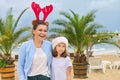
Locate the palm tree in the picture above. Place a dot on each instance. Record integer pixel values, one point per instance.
(103, 37)
(82, 33)
(78, 30)
(9, 36)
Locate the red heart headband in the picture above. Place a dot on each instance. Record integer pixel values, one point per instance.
(37, 9)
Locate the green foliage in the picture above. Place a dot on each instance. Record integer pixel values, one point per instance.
(10, 35)
(81, 32)
(77, 30)
(3, 63)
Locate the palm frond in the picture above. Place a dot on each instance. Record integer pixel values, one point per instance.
(9, 36)
(2, 29)
(60, 22)
(81, 32)
(18, 33)
(15, 25)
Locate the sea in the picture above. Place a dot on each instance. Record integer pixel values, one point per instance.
(102, 48)
(97, 49)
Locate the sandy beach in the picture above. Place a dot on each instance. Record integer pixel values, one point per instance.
(110, 74)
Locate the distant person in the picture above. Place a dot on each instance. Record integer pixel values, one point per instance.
(35, 56)
(61, 63)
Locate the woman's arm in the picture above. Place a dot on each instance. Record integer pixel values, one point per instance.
(21, 62)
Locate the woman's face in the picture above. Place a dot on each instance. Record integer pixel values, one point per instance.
(60, 48)
(40, 32)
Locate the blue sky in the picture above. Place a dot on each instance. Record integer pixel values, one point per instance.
(108, 11)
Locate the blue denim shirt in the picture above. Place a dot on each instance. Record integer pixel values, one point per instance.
(26, 54)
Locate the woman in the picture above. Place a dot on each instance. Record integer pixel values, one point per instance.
(35, 56)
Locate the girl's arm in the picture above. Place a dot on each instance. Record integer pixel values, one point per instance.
(69, 73)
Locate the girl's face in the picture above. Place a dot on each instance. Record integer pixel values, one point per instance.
(60, 48)
(40, 32)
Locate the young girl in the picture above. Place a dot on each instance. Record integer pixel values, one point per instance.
(61, 64)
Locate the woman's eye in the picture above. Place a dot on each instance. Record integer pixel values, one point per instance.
(42, 30)
(45, 30)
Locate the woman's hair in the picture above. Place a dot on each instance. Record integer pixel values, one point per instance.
(35, 23)
(55, 54)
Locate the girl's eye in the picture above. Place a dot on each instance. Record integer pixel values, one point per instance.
(63, 46)
(58, 45)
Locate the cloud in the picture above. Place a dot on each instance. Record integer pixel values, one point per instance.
(108, 9)
(20, 4)
(99, 4)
